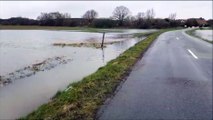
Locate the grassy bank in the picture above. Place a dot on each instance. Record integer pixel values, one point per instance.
(192, 33)
(82, 29)
(207, 28)
(82, 99)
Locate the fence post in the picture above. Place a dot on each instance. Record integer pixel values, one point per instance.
(102, 44)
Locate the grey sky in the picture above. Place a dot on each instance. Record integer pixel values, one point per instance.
(31, 9)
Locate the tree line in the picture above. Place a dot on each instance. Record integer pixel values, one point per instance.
(121, 17)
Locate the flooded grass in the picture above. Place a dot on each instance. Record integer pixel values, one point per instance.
(98, 45)
(192, 33)
(93, 45)
(82, 99)
(30, 70)
(29, 47)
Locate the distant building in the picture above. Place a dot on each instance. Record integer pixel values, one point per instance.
(196, 22)
(201, 22)
(182, 22)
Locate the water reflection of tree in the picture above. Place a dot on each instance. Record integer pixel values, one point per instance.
(102, 49)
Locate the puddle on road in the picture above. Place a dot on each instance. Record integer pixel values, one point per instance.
(185, 82)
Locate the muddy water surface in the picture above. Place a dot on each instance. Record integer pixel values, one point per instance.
(21, 48)
(205, 34)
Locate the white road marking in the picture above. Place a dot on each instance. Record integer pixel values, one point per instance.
(177, 38)
(192, 54)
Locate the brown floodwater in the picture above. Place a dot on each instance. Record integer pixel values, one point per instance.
(21, 48)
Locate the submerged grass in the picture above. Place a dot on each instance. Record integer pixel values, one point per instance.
(192, 33)
(82, 99)
(93, 45)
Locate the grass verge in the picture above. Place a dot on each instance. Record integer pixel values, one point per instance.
(142, 34)
(207, 28)
(82, 99)
(82, 29)
(192, 33)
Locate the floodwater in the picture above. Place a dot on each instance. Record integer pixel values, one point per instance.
(21, 48)
(205, 34)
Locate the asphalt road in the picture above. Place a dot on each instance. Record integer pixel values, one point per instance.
(172, 81)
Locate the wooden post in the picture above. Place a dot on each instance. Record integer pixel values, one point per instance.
(102, 44)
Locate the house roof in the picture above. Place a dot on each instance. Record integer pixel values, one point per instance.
(201, 21)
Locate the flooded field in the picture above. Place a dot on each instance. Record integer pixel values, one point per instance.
(32, 69)
(205, 34)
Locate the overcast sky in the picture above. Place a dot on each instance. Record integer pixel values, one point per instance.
(31, 9)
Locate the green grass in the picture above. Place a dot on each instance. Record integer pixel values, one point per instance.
(82, 29)
(83, 98)
(207, 28)
(192, 33)
(142, 34)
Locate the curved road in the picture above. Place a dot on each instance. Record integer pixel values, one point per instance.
(172, 81)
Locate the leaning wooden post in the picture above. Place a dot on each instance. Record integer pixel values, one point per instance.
(102, 44)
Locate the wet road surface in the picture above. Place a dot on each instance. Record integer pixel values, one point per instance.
(172, 81)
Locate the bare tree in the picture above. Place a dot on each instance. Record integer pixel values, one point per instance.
(90, 15)
(53, 18)
(121, 13)
(43, 16)
(66, 15)
(140, 18)
(150, 14)
(140, 15)
(172, 16)
(53, 15)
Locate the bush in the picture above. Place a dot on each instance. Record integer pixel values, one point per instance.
(161, 23)
(103, 23)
